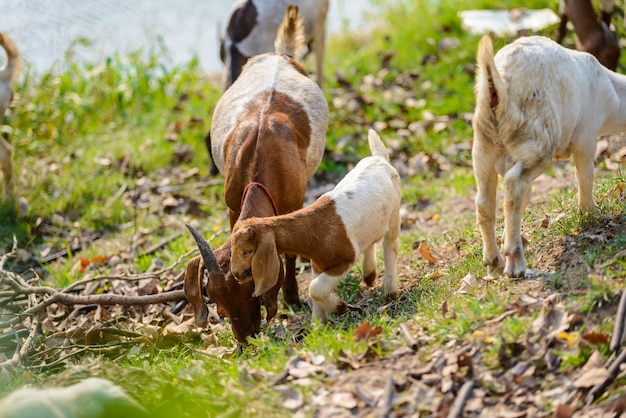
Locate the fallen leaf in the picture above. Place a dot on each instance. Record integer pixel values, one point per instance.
(563, 411)
(592, 377)
(425, 252)
(467, 284)
(292, 399)
(444, 308)
(596, 338)
(365, 331)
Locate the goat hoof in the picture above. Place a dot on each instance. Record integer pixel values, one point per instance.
(370, 279)
(342, 308)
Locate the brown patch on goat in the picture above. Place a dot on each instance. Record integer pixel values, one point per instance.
(252, 144)
(370, 278)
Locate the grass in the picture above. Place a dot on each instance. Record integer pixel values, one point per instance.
(85, 133)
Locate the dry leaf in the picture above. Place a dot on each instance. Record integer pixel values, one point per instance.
(444, 308)
(365, 332)
(592, 377)
(563, 411)
(425, 252)
(596, 338)
(467, 284)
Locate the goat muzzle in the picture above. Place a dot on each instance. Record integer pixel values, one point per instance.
(243, 277)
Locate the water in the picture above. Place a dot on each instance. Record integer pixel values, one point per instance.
(44, 29)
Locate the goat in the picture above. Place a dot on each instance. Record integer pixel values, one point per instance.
(7, 76)
(269, 134)
(233, 299)
(252, 27)
(594, 36)
(536, 101)
(251, 30)
(332, 232)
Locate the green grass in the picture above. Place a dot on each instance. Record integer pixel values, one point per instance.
(83, 132)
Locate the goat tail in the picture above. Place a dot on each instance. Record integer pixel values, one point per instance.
(14, 63)
(490, 88)
(290, 37)
(377, 147)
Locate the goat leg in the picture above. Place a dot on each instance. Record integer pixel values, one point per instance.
(583, 160)
(487, 182)
(290, 284)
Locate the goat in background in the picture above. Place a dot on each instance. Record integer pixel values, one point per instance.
(593, 34)
(536, 101)
(7, 75)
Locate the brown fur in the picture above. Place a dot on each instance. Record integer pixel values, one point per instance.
(593, 34)
(234, 300)
(312, 232)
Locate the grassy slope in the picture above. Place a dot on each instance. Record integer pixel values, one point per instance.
(85, 132)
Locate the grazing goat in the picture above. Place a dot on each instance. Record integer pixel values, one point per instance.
(594, 36)
(7, 75)
(536, 101)
(234, 300)
(252, 28)
(333, 232)
(269, 134)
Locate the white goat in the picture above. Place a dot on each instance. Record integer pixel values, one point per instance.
(333, 232)
(252, 28)
(7, 76)
(536, 101)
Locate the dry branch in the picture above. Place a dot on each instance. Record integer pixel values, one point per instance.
(620, 323)
(461, 399)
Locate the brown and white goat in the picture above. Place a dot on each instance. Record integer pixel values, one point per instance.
(252, 27)
(536, 101)
(269, 134)
(7, 76)
(332, 232)
(593, 35)
(209, 273)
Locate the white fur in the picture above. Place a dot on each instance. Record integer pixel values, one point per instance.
(368, 203)
(269, 18)
(552, 102)
(270, 72)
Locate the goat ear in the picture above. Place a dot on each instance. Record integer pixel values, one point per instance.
(265, 266)
(193, 290)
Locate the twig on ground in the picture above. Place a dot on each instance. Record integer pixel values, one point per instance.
(461, 399)
(620, 323)
(408, 338)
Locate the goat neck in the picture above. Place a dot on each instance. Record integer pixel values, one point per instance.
(314, 232)
(257, 201)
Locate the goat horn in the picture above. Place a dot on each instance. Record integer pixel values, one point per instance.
(210, 262)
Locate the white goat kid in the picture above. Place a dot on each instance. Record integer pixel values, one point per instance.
(332, 232)
(536, 101)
